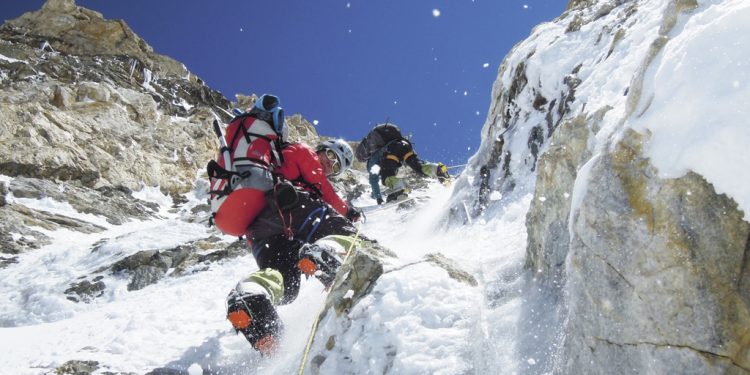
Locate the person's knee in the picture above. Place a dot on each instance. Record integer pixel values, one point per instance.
(267, 281)
(394, 183)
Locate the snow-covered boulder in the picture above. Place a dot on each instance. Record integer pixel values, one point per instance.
(626, 121)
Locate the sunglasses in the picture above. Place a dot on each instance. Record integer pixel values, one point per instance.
(334, 159)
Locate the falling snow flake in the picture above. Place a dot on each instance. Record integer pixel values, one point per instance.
(436, 13)
(315, 122)
(486, 65)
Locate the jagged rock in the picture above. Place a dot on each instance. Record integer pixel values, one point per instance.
(5, 261)
(661, 275)
(80, 31)
(117, 205)
(454, 271)
(3, 192)
(548, 229)
(93, 91)
(76, 367)
(99, 106)
(201, 208)
(144, 276)
(358, 275)
(244, 102)
(86, 291)
(166, 371)
(625, 271)
(354, 281)
(130, 263)
(300, 130)
(348, 185)
(17, 221)
(62, 97)
(233, 250)
(149, 266)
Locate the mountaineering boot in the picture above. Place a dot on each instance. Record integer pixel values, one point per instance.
(254, 316)
(319, 260)
(397, 188)
(396, 195)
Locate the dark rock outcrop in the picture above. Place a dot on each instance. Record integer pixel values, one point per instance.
(86, 291)
(147, 267)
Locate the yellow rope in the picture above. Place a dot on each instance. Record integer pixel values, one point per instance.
(314, 328)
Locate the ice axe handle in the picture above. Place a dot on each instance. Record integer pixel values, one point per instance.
(225, 152)
(217, 130)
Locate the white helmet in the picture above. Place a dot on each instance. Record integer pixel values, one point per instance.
(342, 150)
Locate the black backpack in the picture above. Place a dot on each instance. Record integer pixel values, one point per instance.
(378, 137)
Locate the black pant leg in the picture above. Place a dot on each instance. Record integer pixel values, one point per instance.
(281, 254)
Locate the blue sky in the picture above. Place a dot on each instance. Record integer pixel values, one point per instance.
(427, 66)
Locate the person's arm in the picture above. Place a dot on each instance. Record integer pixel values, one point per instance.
(415, 164)
(312, 171)
(406, 153)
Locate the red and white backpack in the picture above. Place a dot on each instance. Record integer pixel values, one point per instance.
(243, 171)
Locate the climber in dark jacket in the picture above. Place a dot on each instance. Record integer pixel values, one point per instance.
(385, 161)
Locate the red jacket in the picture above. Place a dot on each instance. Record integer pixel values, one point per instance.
(302, 167)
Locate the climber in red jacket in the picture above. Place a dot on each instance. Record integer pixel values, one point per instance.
(284, 236)
(310, 170)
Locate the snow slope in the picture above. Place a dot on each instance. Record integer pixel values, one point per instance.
(432, 323)
(428, 321)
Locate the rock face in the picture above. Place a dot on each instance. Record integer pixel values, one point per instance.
(90, 113)
(628, 272)
(342, 324)
(672, 253)
(87, 100)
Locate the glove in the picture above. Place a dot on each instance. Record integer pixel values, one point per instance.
(353, 213)
(442, 173)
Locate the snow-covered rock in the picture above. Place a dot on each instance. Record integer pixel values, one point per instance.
(623, 118)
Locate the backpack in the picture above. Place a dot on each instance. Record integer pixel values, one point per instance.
(243, 174)
(378, 137)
